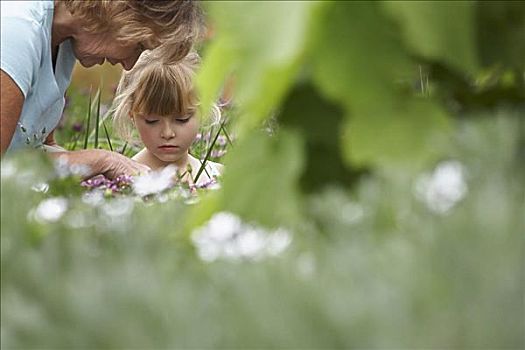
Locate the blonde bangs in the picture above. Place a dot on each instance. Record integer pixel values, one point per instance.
(164, 91)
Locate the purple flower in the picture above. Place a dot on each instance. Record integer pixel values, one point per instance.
(218, 153)
(77, 127)
(222, 140)
(117, 185)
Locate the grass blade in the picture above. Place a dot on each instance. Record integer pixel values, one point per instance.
(208, 154)
(107, 136)
(226, 134)
(88, 118)
(124, 148)
(97, 123)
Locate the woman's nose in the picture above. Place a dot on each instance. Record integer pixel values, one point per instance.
(129, 63)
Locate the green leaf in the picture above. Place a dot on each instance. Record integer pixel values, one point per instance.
(354, 63)
(409, 136)
(360, 68)
(260, 182)
(261, 178)
(439, 30)
(501, 33)
(265, 56)
(217, 63)
(320, 122)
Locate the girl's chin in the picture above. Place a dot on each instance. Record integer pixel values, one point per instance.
(168, 158)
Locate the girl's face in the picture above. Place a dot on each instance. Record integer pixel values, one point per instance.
(167, 137)
(91, 49)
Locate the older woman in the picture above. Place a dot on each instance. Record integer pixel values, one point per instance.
(42, 40)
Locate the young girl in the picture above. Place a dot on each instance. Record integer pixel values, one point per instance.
(159, 100)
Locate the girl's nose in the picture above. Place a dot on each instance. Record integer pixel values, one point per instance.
(168, 131)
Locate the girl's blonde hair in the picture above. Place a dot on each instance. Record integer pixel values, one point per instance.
(153, 87)
(173, 26)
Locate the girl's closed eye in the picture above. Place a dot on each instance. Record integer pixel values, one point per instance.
(151, 121)
(183, 120)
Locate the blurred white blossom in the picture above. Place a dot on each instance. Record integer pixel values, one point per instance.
(227, 236)
(77, 219)
(64, 169)
(50, 210)
(155, 181)
(352, 212)
(306, 265)
(93, 198)
(118, 207)
(40, 187)
(8, 168)
(443, 188)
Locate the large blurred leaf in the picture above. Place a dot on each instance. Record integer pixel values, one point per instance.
(263, 42)
(217, 63)
(260, 181)
(265, 170)
(410, 135)
(359, 67)
(440, 30)
(354, 63)
(321, 123)
(501, 32)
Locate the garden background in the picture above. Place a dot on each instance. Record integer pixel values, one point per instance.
(373, 194)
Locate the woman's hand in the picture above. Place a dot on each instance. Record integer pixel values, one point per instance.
(98, 161)
(113, 164)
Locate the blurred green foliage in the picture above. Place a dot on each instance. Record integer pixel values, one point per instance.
(396, 74)
(394, 158)
(369, 268)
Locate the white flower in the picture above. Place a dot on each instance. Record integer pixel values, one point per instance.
(8, 168)
(118, 207)
(93, 198)
(442, 189)
(352, 212)
(40, 187)
(50, 210)
(306, 265)
(155, 181)
(226, 236)
(64, 169)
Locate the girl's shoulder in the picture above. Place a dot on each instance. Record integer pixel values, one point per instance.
(213, 169)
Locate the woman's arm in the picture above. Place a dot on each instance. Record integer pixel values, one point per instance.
(98, 161)
(11, 103)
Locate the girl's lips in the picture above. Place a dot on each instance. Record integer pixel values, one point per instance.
(168, 148)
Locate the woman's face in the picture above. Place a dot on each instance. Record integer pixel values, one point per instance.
(91, 49)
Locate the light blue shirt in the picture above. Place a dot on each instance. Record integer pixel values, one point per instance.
(26, 57)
